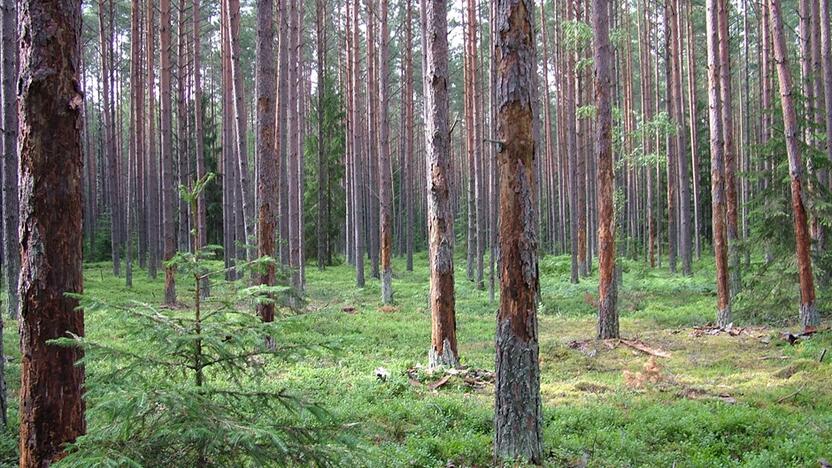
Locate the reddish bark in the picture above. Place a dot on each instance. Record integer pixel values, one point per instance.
(808, 311)
(51, 407)
(607, 295)
(717, 166)
(443, 351)
(518, 409)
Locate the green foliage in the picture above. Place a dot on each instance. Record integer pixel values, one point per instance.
(770, 293)
(577, 34)
(334, 141)
(191, 386)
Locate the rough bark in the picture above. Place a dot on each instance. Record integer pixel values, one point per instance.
(105, 32)
(321, 227)
(808, 312)
(684, 231)
(358, 155)
(518, 409)
(443, 350)
(166, 129)
(572, 150)
(240, 117)
(408, 134)
(715, 120)
(607, 294)
(11, 248)
(826, 60)
(152, 161)
(385, 169)
(265, 157)
(730, 150)
(281, 138)
(183, 176)
(51, 101)
(694, 149)
(201, 209)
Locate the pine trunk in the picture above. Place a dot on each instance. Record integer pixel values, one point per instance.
(808, 312)
(11, 244)
(443, 351)
(607, 294)
(723, 316)
(518, 409)
(51, 212)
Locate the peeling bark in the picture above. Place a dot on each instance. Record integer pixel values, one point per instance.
(265, 157)
(717, 166)
(443, 351)
(51, 239)
(518, 409)
(607, 294)
(808, 312)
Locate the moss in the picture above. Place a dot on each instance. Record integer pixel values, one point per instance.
(719, 402)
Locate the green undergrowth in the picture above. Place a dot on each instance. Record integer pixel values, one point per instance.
(717, 400)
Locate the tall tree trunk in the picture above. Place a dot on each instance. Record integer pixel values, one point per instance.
(694, 146)
(152, 161)
(715, 107)
(673, 150)
(182, 131)
(292, 155)
(358, 154)
(136, 132)
(51, 380)
(199, 136)
(321, 227)
(808, 312)
(240, 117)
(730, 150)
(518, 410)
(11, 244)
(166, 128)
(410, 169)
(572, 149)
(607, 294)
(105, 43)
(443, 350)
(281, 138)
(265, 157)
(681, 166)
(385, 170)
(826, 57)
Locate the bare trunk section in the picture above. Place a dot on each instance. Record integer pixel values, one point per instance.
(607, 294)
(51, 211)
(385, 169)
(410, 169)
(199, 135)
(265, 157)
(166, 128)
(247, 199)
(321, 227)
(518, 409)
(11, 243)
(694, 150)
(681, 175)
(358, 154)
(730, 150)
(572, 149)
(723, 314)
(152, 161)
(109, 148)
(808, 312)
(443, 350)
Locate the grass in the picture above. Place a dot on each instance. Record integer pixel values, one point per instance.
(747, 400)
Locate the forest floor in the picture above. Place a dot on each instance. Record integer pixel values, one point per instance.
(674, 393)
